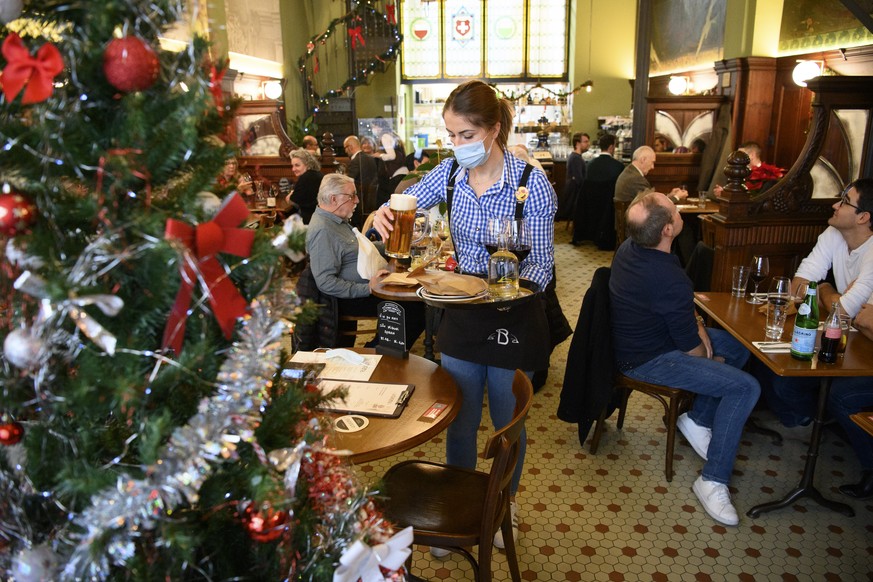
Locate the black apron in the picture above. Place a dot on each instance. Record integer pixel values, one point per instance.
(515, 337)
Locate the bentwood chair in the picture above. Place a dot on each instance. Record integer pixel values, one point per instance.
(454, 508)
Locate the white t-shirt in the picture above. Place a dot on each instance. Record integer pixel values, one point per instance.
(831, 251)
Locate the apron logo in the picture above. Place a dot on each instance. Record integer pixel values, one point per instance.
(502, 337)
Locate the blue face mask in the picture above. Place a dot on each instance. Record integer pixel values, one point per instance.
(472, 155)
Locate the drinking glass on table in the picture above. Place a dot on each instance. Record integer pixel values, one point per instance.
(759, 272)
(778, 299)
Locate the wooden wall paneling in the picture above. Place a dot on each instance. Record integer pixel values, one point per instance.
(791, 120)
(750, 88)
(783, 222)
(674, 170)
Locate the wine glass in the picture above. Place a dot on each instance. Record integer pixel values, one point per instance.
(519, 239)
(494, 229)
(760, 270)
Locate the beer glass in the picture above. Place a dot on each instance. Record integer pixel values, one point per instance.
(409, 225)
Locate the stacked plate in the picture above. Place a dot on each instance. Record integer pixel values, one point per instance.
(427, 296)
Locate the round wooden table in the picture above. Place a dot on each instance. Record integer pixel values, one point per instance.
(384, 437)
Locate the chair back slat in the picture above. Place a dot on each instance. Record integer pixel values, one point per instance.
(503, 447)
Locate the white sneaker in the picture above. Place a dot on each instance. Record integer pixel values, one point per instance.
(716, 501)
(697, 436)
(513, 517)
(439, 553)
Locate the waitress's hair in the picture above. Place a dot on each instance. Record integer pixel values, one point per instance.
(480, 104)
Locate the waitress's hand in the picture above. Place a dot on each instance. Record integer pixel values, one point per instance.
(382, 219)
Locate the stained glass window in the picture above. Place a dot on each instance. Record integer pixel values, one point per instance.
(523, 40)
(507, 30)
(421, 40)
(547, 48)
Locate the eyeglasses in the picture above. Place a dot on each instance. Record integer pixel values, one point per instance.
(844, 199)
(352, 196)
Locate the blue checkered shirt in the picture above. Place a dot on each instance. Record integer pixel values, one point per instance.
(470, 215)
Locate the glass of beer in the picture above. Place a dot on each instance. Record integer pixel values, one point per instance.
(409, 225)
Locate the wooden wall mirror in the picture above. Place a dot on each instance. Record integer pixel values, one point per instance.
(259, 130)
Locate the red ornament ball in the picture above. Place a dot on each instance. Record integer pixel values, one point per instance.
(264, 525)
(11, 433)
(130, 64)
(17, 213)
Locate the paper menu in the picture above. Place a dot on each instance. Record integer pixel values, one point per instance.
(372, 398)
(338, 368)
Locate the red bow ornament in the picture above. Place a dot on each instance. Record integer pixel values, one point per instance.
(21, 69)
(356, 36)
(205, 241)
(392, 16)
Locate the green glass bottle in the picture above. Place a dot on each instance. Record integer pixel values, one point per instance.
(805, 326)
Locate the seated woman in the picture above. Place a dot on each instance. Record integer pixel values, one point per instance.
(231, 179)
(305, 194)
(333, 256)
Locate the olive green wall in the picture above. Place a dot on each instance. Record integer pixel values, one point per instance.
(302, 20)
(612, 40)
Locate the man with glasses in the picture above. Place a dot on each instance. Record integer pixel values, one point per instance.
(842, 260)
(846, 249)
(332, 248)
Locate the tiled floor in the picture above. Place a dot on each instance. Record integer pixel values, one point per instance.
(613, 516)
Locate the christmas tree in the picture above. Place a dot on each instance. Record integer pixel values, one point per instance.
(145, 432)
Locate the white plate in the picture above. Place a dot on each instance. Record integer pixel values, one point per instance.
(422, 293)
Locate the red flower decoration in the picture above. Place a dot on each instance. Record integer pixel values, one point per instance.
(761, 174)
(36, 73)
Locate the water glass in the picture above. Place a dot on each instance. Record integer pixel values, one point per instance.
(778, 299)
(739, 280)
(701, 199)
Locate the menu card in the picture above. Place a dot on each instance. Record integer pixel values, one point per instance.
(370, 398)
(339, 368)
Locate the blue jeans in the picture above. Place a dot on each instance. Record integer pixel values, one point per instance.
(793, 400)
(461, 445)
(849, 396)
(725, 395)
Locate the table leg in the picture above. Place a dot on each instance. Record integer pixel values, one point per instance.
(431, 323)
(806, 488)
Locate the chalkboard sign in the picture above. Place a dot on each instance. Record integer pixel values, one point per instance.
(391, 330)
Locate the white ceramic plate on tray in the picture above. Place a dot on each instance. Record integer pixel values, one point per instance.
(423, 294)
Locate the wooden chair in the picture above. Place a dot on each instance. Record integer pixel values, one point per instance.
(348, 325)
(620, 221)
(454, 508)
(674, 401)
(591, 388)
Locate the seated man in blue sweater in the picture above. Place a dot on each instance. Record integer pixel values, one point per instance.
(659, 340)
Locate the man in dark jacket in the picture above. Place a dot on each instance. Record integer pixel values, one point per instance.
(594, 219)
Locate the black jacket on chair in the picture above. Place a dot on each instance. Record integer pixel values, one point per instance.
(588, 380)
(324, 331)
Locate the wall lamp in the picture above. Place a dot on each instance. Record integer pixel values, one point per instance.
(678, 85)
(588, 85)
(806, 70)
(273, 89)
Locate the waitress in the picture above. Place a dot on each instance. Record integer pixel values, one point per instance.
(482, 347)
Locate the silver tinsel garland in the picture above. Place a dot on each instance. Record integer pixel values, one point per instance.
(103, 535)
